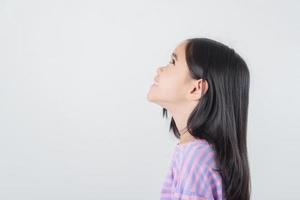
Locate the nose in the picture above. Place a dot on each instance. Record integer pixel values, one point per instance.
(159, 70)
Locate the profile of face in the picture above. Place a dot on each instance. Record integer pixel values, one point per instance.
(173, 85)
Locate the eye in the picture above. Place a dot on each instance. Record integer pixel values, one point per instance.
(172, 61)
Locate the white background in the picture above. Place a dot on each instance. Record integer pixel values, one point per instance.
(74, 119)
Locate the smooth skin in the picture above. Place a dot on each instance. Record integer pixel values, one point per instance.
(175, 90)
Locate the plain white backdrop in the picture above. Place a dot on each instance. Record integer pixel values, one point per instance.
(74, 119)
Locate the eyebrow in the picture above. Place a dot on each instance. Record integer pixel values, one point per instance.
(175, 56)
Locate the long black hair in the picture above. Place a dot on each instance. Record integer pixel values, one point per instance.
(221, 114)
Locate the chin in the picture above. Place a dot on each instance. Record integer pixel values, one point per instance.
(150, 97)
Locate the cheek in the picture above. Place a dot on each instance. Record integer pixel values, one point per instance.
(169, 89)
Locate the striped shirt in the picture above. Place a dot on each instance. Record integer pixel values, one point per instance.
(191, 175)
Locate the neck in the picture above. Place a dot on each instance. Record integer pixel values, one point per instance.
(180, 115)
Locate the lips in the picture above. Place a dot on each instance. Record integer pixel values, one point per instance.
(156, 81)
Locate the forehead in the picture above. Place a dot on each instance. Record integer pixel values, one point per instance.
(181, 62)
(180, 51)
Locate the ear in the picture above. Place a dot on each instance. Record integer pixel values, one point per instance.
(198, 89)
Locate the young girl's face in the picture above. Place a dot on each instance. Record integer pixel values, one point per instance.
(172, 82)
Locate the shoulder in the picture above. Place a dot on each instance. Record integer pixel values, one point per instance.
(198, 153)
(196, 174)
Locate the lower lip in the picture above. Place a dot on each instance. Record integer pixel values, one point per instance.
(154, 84)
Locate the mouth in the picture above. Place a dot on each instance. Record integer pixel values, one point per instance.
(155, 81)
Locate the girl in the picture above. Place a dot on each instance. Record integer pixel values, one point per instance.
(205, 87)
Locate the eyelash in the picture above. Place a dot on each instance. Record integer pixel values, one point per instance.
(172, 62)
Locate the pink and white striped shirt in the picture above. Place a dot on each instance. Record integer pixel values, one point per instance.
(191, 175)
